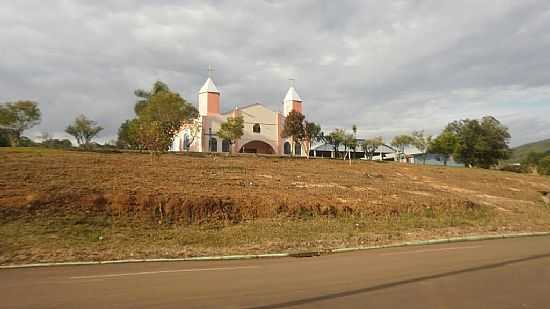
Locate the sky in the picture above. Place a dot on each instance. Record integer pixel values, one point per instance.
(390, 67)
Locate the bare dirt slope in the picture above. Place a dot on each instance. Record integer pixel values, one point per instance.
(327, 202)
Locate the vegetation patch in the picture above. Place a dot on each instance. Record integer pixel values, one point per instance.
(70, 205)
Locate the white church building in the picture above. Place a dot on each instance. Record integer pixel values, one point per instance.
(262, 126)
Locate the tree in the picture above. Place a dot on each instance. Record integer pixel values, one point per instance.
(543, 166)
(421, 142)
(370, 145)
(84, 130)
(17, 117)
(401, 142)
(312, 134)
(444, 145)
(335, 138)
(294, 128)
(232, 130)
(144, 95)
(127, 135)
(160, 119)
(480, 143)
(537, 161)
(350, 142)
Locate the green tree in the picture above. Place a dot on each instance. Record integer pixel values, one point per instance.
(335, 138)
(232, 130)
(294, 128)
(400, 142)
(127, 135)
(160, 119)
(312, 134)
(17, 117)
(480, 143)
(350, 143)
(444, 145)
(144, 96)
(84, 130)
(4, 138)
(543, 166)
(370, 145)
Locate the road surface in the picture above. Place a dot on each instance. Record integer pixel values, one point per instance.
(511, 273)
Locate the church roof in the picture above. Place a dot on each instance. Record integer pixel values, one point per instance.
(209, 87)
(292, 95)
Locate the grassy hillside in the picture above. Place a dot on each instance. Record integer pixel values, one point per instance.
(519, 153)
(67, 205)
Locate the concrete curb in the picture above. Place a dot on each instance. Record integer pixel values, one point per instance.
(278, 255)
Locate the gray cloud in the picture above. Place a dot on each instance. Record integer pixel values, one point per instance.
(390, 67)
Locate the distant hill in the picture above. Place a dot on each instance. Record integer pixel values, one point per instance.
(520, 152)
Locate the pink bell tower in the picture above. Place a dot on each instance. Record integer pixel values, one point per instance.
(292, 101)
(209, 97)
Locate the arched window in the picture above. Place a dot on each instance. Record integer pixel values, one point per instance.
(298, 149)
(213, 145)
(225, 145)
(186, 141)
(256, 128)
(286, 149)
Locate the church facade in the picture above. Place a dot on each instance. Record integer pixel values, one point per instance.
(263, 127)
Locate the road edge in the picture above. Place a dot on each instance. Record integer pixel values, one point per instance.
(288, 254)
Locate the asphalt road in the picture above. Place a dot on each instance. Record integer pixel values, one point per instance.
(512, 273)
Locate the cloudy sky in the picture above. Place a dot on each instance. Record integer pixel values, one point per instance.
(388, 66)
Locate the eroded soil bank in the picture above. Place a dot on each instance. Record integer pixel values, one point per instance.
(63, 205)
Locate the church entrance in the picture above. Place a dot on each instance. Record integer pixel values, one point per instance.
(257, 147)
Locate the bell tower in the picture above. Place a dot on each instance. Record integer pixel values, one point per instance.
(292, 101)
(209, 97)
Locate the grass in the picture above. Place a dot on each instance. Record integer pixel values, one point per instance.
(72, 205)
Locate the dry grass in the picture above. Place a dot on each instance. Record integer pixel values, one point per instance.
(58, 205)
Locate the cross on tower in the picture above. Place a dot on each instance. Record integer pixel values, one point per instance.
(210, 70)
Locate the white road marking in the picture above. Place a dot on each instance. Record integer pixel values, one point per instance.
(431, 250)
(162, 272)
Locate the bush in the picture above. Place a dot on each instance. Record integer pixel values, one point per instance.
(57, 143)
(514, 168)
(544, 166)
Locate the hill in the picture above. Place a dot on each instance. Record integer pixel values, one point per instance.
(70, 205)
(519, 153)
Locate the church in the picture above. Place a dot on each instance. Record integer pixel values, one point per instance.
(262, 130)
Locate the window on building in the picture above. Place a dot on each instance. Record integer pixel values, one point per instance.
(213, 145)
(286, 149)
(256, 128)
(225, 145)
(298, 149)
(186, 143)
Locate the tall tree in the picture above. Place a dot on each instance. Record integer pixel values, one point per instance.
(144, 95)
(312, 134)
(444, 145)
(84, 130)
(370, 145)
(401, 142)
(480, 143)
(294, 128)
(350, 143)
(161, 118)
(232, 130)
(17, 117)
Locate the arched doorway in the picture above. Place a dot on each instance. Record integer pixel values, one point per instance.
(257, 147)
(297, 149)
(286, 148)
(213, 145)
(225, 145)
